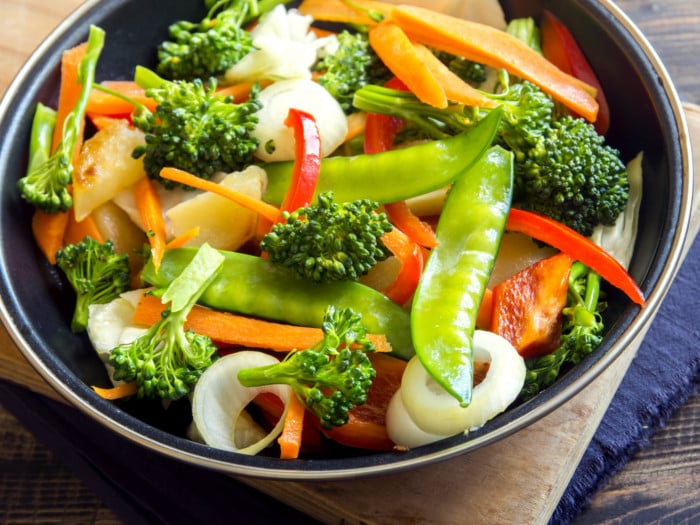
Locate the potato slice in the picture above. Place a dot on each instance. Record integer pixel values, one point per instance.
(223, 224)
(105, 167)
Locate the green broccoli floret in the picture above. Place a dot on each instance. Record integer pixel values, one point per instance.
(95, 272)
(330, 378)
(46, 183)
(329, 241)
(167, 360)
(208, 48)
(471, 72)
(582, 330)
(193, 129)
(354, 64)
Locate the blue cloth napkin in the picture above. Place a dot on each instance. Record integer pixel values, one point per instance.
(143, 487)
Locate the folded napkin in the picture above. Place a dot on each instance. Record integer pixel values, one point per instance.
(663, 375)
(142, 487)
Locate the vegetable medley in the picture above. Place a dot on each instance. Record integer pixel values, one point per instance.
(355, 223)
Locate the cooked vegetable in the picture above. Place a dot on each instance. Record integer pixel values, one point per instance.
(352, 65)
(329, 241)
(209, 47)
(151, 213)
(167, 360)
(582, 331)
(251, 285)
(329, 378)
(95, 272)
(446, 304)
(46, 185)
(192, 128)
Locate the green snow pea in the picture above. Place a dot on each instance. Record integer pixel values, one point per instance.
(253, 286)
(448, 296)
(396, 174)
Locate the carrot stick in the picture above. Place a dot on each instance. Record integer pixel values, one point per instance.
(148, 206)
(263, 209)
(456, 89)
(102, 121)
(117, 392)
(356, 125)
(101, 103)
(49, 230)
(76, 231)
(183, 238)
(240, 91)
(340, 11)
(498, 49)
(231, 329)
(290, 439)
(394, 48)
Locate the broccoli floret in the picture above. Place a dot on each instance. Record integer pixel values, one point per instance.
(46, 183)
(470, 71)
(167, 360)
(582, 330)
(354, 64)
(193, 129)
(330, 378)
(208, 48)
(329, 241)
(95, 272)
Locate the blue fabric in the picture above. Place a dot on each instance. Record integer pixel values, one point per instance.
(663, 375)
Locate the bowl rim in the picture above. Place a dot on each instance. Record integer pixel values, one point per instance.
(201, 455)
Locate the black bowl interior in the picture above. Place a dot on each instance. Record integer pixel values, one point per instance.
(38, 303)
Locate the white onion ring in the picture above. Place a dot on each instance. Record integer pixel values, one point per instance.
(434, 411)
(219, 399)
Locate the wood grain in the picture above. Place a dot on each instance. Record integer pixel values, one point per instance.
(521, 464)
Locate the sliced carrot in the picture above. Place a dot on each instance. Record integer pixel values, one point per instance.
(483, 317)
(356, 125)
(394, 48)
(183, 238)
(496, 48)
(76, 231)
(102, 121)
(117, 392)
(49, 230)
(456, 89)
(347, 12)
(226, 328)
(290, 439)
(271, 409)
(405, 220)
(148, 206)
(263, 209)
(101, 103)
(240, 92)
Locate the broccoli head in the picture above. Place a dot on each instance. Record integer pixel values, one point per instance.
(329, 241)
(354, 64)
(471, 72)
(95, 272)
(193, 129)
(167, 360)
(582, 330)
(330, 378)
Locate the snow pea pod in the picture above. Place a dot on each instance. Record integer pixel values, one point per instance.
(396, 174)
(448, 296)
(253, 286)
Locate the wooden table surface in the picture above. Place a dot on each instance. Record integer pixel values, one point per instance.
(662, 481)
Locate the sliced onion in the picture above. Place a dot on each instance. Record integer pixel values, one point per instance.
(402, 430)
(219, 400)
(437, 412)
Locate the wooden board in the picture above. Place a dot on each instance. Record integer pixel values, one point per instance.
(535, 463)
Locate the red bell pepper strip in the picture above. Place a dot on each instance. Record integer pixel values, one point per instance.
(405, 220)
(381, 130)
(410, 255)
(559, 47)
(577, 246)
(307, 163)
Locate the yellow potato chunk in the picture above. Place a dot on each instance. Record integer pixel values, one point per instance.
(105, 167)
(223, 224)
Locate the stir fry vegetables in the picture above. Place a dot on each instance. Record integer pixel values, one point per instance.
(318, 216)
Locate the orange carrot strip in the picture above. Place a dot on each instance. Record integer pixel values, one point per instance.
(117, 392)
(240, 91)
(148, 206)
(456, 89)
(483, 318)
(102, 121)
(183, 238)
(101, 103)
(262, 208)
(339, 11)
(290, 439)
(405, 220)
(228, 328)
(76, 231)
(49, 230)
(495, 48)
(356, 125)
(394, 48)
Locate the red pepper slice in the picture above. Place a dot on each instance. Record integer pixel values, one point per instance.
(559, 47)
(410, 255)
(577, 246)
(307, 163)
(405, 220)
(381, 130)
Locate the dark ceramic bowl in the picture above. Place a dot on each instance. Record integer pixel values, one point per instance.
(36, 306)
